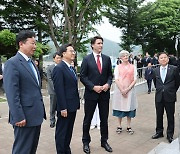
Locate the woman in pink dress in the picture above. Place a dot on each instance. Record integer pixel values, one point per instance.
(124, 101)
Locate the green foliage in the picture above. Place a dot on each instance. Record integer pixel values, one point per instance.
(159, 25)
(7, 38)
(8, 45)
(41, 50)
(63, 21)
(124, 14)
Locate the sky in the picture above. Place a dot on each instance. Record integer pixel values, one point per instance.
(106, 30)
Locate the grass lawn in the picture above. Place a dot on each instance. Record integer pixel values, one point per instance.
(2, 100)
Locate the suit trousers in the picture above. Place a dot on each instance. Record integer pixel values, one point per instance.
(63, 135)
(89, 108)
(170, 110)
(26, 139)
(53, 102)
(149, 83)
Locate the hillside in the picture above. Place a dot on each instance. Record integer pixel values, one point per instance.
(110, 48)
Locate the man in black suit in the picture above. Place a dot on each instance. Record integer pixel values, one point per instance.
(66, 88)
(96, 75)
(166, 80)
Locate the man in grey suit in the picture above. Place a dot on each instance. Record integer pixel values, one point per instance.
(166, 80)
(23, 91)
(53, 98)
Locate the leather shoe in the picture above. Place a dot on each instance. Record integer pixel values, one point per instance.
(170, 139)
(86, 148)
(157, 135)
(106, 146)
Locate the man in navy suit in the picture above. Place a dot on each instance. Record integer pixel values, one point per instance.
(23, 91)
(149, 76)
(166, 80)
(96, 75)
(66, 88)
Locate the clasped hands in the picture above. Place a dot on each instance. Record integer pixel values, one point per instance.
(99, 89)
(125, 91)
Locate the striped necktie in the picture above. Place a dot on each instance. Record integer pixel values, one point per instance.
(72, 70)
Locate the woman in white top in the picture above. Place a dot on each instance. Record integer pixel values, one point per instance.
(124, 102)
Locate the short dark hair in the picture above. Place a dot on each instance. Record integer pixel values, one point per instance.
(162, 53)
(24, 35)
(56, 53)
(93, 40)
(63, 48)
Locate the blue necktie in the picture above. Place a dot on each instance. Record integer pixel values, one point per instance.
(163, 74)
(72, 70)
(33, 69)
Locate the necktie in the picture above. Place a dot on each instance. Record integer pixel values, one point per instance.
(33, 70)
(163, 74)
(99, 64)
(72, 70)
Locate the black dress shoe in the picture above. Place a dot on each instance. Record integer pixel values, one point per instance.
(86, 148)
(106, 146)
(170, 139)
(52, 125)
(157, 135)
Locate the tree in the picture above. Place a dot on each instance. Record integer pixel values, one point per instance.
(62, 20)
(8, 45)
(159, 29)
(124, 15)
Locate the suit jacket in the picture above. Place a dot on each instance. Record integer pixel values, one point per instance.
(148, 74)
(66, 88)
(146, 60)
(169, 87)
(23, 92)
(90, 76)
(50, 81)
(155, 61)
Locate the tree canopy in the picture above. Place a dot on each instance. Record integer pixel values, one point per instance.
(159, 26)
(124, 15)
(155, 26)
(8, 45)
(64, 21)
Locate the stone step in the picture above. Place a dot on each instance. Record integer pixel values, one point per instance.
(166, 148)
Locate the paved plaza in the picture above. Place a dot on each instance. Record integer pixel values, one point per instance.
(138, 143)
